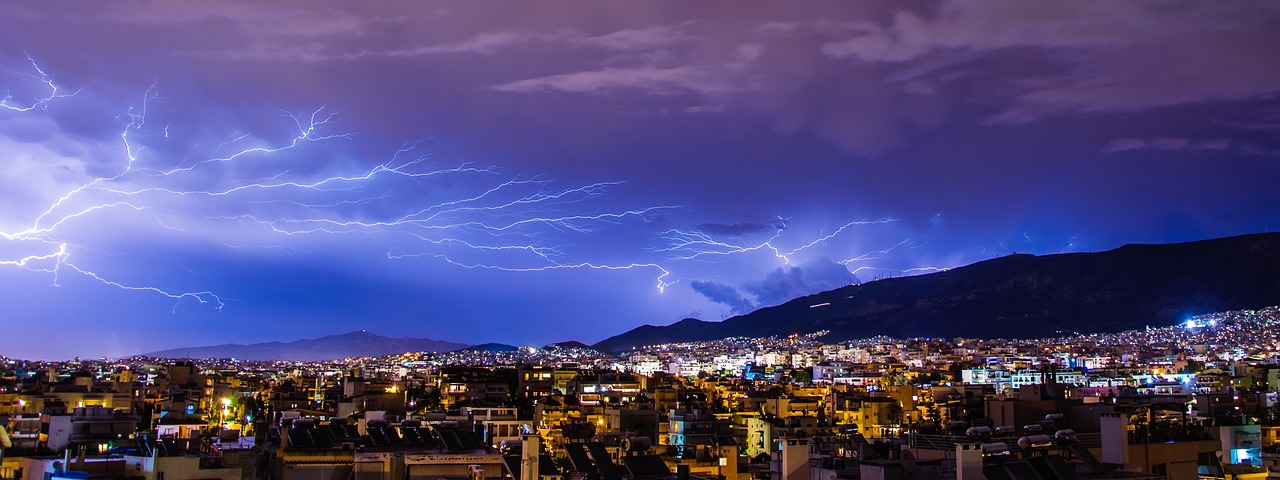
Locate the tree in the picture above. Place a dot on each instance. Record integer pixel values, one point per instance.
(957, 372)
(801, 376)
(893, 379)
(1192, 366)
(424, 397)
(522, 404)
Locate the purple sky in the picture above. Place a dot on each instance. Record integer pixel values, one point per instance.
(178, 173)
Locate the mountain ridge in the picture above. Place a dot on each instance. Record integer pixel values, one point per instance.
(1018, 296)
(358, 343)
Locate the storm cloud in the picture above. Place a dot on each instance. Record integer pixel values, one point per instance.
(276, 171)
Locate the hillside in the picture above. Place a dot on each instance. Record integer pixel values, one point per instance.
(1019, 296)
(490, 348)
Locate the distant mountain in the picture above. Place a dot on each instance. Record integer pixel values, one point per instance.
(1019, 296)
(570, 344)
(490, 347)
(354, 344)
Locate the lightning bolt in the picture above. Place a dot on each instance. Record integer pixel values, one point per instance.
(1071, 245)
(39, 102)
(513, 222)
(901, 271)
(258, 191)
(883, 253)
(695, 244)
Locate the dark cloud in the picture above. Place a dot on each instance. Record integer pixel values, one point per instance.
(1172, 144)
(724, 294)
(788, 282)
(778, 285)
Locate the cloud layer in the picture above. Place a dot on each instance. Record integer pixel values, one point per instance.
(610, 166)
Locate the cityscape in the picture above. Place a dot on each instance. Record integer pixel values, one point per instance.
(659, 240)
(1193, 400)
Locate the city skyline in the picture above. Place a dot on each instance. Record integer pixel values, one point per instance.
(528, 174)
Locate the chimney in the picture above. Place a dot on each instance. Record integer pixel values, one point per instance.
(728, 461)
(969, 461)
(1115, 437)
(795, 459)
(530, 448)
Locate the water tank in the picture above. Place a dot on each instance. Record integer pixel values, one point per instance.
(995, 449)
(636, 444)
(1035, 441)
(982, 432)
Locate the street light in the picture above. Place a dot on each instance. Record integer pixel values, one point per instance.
(226, 404)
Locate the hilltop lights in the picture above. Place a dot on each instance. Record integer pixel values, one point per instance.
(1196, 323)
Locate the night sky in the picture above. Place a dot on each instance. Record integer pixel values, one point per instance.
(192, 173)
